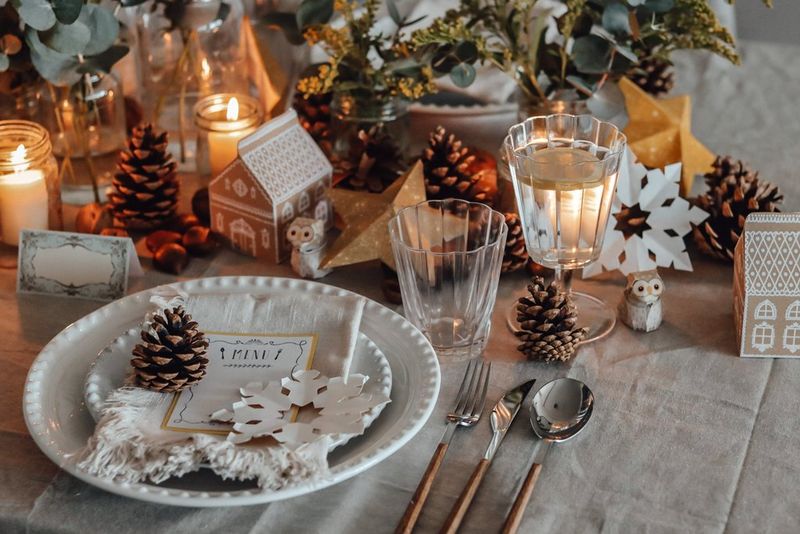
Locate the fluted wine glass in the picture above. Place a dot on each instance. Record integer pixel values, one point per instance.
(564, 169)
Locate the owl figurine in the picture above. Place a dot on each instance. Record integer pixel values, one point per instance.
(641, 303)
(307, 237)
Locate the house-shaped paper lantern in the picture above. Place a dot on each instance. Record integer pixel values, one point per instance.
(280, 174)
(766, 286)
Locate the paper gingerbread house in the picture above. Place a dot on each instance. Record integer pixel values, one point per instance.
(280, 174)
(766, 286)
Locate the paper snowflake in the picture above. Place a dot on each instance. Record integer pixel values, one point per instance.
(266, 411)
(648, 221)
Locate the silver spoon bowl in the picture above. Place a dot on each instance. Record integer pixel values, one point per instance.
(560, 410)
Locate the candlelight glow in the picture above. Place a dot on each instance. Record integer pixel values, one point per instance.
(205, 69)
(233, 109)
(18, 158)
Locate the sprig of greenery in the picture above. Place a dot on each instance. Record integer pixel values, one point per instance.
(596, 40)
(61, 40)
(364, 62)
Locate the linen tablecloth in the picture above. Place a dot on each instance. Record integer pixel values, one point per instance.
(685, 437)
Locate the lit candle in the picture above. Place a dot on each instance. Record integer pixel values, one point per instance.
(227, 119)
(23, 198)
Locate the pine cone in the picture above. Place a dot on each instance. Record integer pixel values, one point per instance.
(654, 75)
(734, 192)
(447, 167)
(547, 321)
(515, 256)
(314, 113)
(145, 191)
(374, 162)
(172, 356)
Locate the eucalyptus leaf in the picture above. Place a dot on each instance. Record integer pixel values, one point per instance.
(463, 75)
(67, 11)
(131, 3)
(104, 61)
(287, 23)
(68, 39)
(615, 19)
(659, 6)
(635, 3)
(55, 67)
(626, 52)
(103, 26)
(591, 54)
(313, 12)
(394, 13)
(38, 14)
(466, 51)
(4, 62)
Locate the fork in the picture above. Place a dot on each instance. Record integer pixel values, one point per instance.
(466, 412)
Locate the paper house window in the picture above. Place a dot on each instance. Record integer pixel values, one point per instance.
(791, 337)
(321, 191)
(264, 238)
(287, 213)
(793, 311)
(763, 336)
(766, 311)
(321, 210)
(304, 203)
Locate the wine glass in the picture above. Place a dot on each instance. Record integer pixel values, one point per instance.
(564, 169)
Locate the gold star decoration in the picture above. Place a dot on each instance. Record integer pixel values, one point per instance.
(366, 217)
(659, 132)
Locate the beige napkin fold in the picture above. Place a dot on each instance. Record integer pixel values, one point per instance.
(130, 445)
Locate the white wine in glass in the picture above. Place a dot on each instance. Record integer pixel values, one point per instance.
(567, 196)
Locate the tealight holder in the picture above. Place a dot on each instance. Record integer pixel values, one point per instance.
(30, 186)
(222, 121)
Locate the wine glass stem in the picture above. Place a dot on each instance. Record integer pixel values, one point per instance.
(564, 279)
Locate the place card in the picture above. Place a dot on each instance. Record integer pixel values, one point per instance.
(235, 360)
(69, 264)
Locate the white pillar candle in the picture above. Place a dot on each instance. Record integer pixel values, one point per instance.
(23, 198)
(223, 147)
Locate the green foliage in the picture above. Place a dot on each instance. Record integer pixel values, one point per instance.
(553, 45)
(59, 40)
(366, 63)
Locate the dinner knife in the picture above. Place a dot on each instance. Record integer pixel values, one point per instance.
(503, 415)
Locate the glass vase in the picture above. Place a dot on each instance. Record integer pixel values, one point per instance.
(30, 186)
(20, 101)
(370, 140)
(87, 126)
(184, 58)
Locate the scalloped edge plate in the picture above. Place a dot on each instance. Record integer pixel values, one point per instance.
(60, 424)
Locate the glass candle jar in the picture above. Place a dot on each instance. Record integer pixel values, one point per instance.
(30, 187)
(222, 121)
(185, 56)
(87, 125)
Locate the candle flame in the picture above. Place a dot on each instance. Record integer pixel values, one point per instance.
(233, 109)
(18, 158)
(205, 69)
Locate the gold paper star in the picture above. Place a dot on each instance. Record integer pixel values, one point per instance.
(366, 218)
(660, 132)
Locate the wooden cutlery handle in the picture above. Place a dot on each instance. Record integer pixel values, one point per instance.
(414, 508)
(465, 499)
(518, 509)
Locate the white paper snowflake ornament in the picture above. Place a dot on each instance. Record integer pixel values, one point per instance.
(267, 411)
(648, 221)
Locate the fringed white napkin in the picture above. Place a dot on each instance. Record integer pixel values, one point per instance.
(130, 444)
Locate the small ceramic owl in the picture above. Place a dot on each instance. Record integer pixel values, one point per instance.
(307, 237)
(641, 303)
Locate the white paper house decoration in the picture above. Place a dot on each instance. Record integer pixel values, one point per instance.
(766, 286)
(280, 174)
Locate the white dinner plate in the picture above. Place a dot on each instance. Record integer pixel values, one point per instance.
(60, 424)
(112, 365)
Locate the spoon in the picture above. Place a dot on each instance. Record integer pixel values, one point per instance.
(559, 411)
